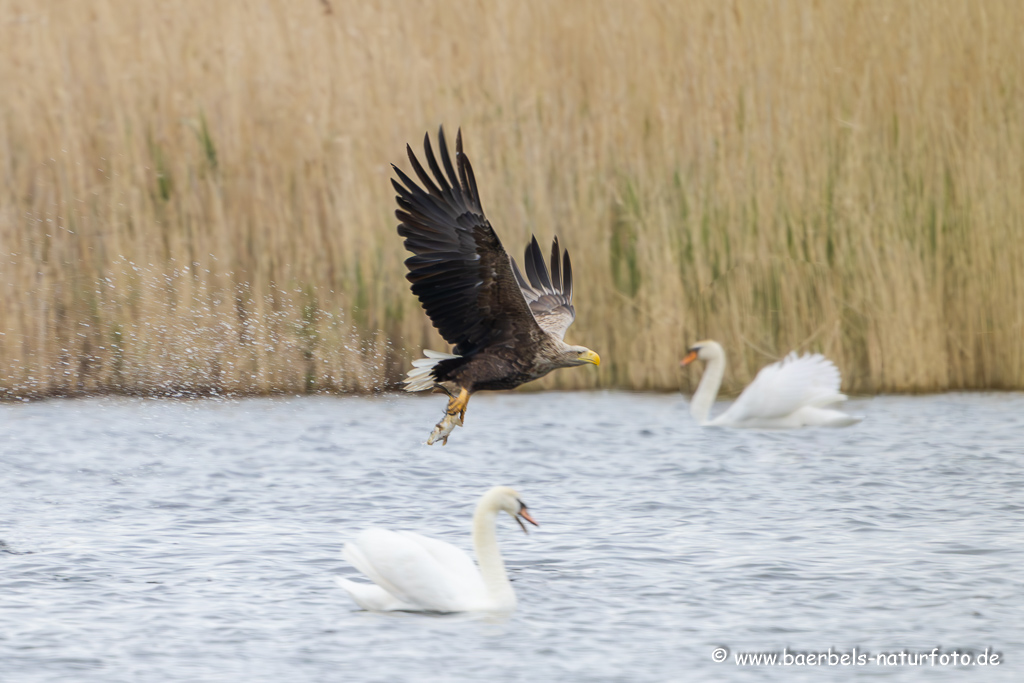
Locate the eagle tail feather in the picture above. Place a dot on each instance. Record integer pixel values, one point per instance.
(421, 377)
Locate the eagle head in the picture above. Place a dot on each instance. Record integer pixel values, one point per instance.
(577, 355)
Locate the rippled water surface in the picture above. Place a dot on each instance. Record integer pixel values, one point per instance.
(146, 540)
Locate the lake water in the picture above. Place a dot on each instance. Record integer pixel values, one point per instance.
(155, 540)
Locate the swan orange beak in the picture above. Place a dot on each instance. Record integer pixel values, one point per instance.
(690, 357)
(525, 515)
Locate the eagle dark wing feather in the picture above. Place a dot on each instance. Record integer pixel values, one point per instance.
(566, 276)
(550, 298)
(535, 268)
(556, 270)
(459, 270)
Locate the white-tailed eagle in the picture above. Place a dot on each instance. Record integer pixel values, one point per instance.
(505, 329)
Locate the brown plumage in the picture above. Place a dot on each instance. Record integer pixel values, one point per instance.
(505, 329)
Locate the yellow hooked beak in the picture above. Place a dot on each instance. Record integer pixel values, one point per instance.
(590, 357)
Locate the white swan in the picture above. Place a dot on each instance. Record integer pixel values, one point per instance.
(414, 573)
(785, 395)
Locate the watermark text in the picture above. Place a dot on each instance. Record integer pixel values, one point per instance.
(857, 657)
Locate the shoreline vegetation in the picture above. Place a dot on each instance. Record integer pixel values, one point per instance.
(195, 196)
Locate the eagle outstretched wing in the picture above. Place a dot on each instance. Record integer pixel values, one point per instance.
(549, 297)
(459, 270)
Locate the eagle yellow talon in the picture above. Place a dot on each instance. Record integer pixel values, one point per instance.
(457, 404)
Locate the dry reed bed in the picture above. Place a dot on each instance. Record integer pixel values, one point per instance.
(195, 195)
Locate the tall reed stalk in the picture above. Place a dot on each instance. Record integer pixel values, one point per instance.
(194, 196)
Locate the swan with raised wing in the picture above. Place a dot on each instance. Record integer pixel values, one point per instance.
(785, 395)
(414, 573)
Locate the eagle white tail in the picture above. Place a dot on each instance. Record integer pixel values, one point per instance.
(421, 376)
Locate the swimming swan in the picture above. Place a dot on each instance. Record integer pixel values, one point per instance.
(785, 395)
(414, 573)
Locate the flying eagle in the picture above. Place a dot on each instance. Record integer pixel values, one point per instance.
(506, 330)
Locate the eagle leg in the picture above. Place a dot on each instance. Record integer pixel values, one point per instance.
(457, 404)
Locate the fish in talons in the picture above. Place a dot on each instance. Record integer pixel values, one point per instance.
(454, 415)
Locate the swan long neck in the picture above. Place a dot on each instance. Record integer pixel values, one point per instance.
(707, 390)
(488, 556)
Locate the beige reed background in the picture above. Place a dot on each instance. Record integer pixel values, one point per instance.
(194, 196)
